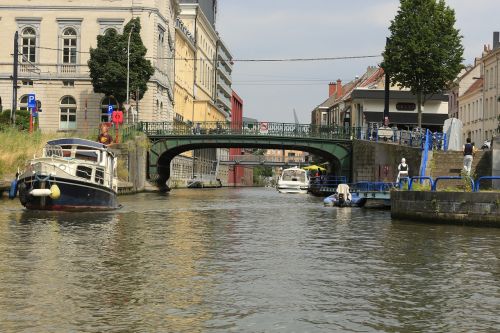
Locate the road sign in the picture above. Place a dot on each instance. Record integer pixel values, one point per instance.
(117, 117)
(31, 101)
(126, 106)
(110, 109)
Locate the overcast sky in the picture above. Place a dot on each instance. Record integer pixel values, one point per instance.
(277, 29)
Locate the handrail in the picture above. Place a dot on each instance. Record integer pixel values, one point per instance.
(400, 184)
(434, 187)
(372, 186)
(478, 181)
(410, 184)
(326, 181)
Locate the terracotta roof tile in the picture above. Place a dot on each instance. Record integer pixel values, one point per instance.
(477, 85)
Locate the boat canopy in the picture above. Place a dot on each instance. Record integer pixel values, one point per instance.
(78, 142)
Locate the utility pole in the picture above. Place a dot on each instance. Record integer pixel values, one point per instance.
(128, 71)
(14, 80)
(137, 103)
(386, 96)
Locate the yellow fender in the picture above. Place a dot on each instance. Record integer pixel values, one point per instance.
(55, 192)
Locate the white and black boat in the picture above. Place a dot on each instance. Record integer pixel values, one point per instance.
(71, 175)
(293, 180)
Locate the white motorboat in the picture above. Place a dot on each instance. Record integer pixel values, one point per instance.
(293, 180)
(72, 175)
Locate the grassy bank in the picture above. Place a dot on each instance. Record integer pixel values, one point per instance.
(17, 147)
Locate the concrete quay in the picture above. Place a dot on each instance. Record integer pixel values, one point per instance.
(464, 208)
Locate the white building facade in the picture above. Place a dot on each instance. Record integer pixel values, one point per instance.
(491, 89)
(54, 42)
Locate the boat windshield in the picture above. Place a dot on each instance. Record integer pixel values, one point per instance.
(294, 175)
(55, 151)
(85, 153)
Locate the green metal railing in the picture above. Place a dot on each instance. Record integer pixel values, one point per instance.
(250, 129)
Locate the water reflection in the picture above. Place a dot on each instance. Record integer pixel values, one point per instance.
(247, 260)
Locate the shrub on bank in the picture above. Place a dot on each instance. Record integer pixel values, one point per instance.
(22, 120)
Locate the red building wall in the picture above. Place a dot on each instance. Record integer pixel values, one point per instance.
(237, 175)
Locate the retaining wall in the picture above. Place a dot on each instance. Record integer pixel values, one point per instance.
(378, 161)
(132, 158)
(480, 209)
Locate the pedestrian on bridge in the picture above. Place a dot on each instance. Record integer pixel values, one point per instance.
(403, 170)
(197, 129)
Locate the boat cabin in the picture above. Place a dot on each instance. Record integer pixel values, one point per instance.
(91, 161)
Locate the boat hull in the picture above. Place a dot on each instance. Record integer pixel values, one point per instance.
(74, 195)
(292, 190)
(356, 201)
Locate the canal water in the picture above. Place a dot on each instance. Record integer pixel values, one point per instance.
(243, 260)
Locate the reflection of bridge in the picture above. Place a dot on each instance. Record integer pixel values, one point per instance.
(170, 139)
(264, 160)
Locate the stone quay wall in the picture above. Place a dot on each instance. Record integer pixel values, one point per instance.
(378, 161)
(132, 158)
(467, 208)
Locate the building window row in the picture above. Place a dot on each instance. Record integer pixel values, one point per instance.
(29, 46)
(68, 110)
(490, 78)
(68, 40)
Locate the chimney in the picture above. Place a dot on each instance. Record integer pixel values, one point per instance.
(496, 40)
(339, 88)
(332, 88)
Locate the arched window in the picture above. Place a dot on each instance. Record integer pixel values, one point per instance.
(67, 115)
(110, 31)
(23, 103)
(161, 48)
(161, 110)
(105, 103)
(69, 46)
(28, 40)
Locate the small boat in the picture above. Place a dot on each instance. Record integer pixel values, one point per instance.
(71, 175)
(343, 198)
(293, 180)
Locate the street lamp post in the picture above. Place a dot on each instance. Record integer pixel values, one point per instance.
(128, 71)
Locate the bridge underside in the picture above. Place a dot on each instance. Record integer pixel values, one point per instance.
(164, 149)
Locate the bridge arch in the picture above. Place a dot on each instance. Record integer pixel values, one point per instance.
(164, 149)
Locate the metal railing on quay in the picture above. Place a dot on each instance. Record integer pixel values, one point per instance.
(413, 138)
(365, 186)
(327, 181)
(478, 181)
(433, 182)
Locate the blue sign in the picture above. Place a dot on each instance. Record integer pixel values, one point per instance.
(31, 101)
(110, 109)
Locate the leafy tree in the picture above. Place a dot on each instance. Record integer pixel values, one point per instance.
(424, 52)
(108, 63)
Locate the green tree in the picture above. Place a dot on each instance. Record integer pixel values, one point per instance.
(424, 52)
(108, 63)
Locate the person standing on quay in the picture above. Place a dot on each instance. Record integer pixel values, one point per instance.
(469, 151)
(104, 136)
(402, 170)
